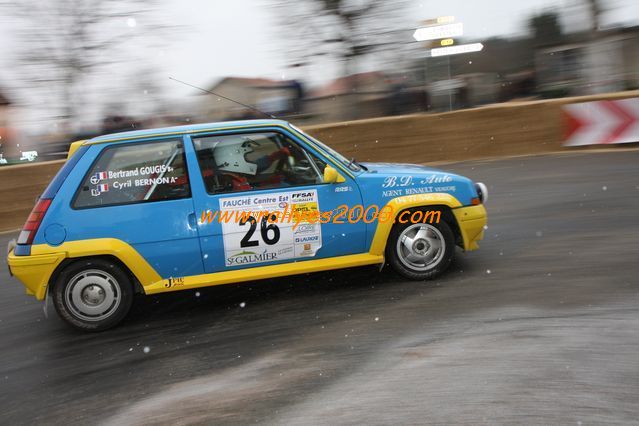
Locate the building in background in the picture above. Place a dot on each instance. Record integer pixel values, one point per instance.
(587, 63)
(352, 97)
(500, 72)
(282, 98)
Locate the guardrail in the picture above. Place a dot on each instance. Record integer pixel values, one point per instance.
(515, 128)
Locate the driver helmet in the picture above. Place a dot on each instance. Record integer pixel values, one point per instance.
(230, 156)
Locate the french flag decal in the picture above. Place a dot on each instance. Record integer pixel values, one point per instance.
(103, 187)
(96, 178)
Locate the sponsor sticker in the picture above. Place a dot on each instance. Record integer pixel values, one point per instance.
(254, 239)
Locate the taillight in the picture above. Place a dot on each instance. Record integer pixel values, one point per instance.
(33, 221)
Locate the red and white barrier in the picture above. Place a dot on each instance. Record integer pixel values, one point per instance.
(601, 122)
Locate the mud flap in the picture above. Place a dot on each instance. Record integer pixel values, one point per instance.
(381, 265)
(10, 246)
(45, 307)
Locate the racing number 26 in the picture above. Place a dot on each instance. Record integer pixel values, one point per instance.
(265, 227)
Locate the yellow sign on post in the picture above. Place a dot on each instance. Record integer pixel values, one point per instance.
(445, 19)
(439, 20)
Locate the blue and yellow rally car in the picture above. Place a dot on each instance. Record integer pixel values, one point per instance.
(179, 208)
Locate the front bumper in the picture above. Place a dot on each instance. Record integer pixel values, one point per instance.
(471, 221)
(34, 271)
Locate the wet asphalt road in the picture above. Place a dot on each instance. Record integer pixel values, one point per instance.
(540, 326)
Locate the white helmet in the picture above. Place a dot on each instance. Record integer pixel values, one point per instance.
(230, 156)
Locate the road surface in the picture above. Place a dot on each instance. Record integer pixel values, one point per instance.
(541, 325)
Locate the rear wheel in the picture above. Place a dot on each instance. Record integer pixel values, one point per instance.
(93, 294)
(420, 251)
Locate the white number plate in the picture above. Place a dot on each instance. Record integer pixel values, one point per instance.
(250, 237)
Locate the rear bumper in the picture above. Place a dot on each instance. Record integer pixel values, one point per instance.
(10, 247)
(471, 221)
(34, 271)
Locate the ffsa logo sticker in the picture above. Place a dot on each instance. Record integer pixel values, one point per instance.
(300, 197)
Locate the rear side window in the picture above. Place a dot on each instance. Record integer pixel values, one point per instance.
(136, 173)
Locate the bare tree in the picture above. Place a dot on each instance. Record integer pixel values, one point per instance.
(345, 29)
(546, 28)
(60, 42)
(595, 9)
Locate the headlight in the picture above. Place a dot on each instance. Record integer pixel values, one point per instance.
(482, 191)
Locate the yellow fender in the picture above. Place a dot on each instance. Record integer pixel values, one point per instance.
(397, 205)
(50, 257)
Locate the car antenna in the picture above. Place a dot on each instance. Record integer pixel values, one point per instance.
(224, 97)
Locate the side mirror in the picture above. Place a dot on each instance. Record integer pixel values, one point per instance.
(332, 176)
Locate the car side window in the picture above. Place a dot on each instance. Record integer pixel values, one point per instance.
(251, 161)
(136, 173)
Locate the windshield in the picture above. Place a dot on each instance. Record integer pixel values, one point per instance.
(351, 164)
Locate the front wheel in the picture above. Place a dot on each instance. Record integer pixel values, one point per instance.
(421, 251)
(93, 294)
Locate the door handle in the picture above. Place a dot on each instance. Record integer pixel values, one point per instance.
(192, 221)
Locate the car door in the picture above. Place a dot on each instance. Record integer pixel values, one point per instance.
(247, 173)
(140, 193)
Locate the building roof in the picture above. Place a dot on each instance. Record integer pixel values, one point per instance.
(347, 84)
(251, 82)
(575, 39)
(190, 128)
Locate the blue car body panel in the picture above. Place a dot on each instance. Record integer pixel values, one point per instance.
(167, 233)
(165, 240)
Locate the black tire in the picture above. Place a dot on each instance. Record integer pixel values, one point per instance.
(439, 231)
(93, 294)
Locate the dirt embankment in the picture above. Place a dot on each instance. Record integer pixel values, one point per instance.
(514, 128)
(19, 187)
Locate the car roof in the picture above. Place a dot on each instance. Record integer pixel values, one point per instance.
(190, 128)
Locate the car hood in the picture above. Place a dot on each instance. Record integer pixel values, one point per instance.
(384, 181)
(398, 168)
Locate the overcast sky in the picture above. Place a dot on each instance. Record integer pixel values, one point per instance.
(241, 38)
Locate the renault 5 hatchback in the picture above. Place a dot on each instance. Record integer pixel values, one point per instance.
(180, 208)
